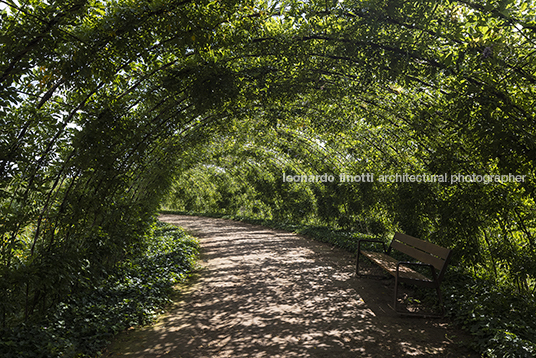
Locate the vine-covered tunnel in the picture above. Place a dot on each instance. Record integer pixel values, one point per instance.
(112, 110)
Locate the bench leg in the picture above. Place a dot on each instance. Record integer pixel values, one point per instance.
(438, 290)
(357, 264)
(396, 293)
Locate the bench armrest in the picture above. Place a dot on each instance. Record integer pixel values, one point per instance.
(369, 240)
(409, 263)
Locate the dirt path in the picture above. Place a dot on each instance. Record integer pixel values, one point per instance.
(269, 293)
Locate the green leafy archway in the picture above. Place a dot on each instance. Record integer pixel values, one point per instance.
(108, 107)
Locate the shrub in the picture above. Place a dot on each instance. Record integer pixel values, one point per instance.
(137, 290)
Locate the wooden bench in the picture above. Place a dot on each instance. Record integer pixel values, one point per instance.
(427, 254)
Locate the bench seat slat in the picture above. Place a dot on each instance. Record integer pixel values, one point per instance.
(389, 264)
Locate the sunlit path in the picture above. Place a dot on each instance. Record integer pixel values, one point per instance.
(266, 293)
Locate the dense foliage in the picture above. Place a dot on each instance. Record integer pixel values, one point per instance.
(109, 108)
(130, 295)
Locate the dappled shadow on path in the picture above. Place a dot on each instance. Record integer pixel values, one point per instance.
(269, 293)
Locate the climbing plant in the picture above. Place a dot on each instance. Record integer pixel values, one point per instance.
(109, 109)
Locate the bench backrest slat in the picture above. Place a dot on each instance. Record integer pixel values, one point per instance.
(423, 251)
(429, 247)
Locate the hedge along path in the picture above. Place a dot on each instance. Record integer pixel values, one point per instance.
(271, 293)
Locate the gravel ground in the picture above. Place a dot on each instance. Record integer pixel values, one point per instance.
(270, 293)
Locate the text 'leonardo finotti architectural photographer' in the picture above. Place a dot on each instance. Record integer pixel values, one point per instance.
(406, 178)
